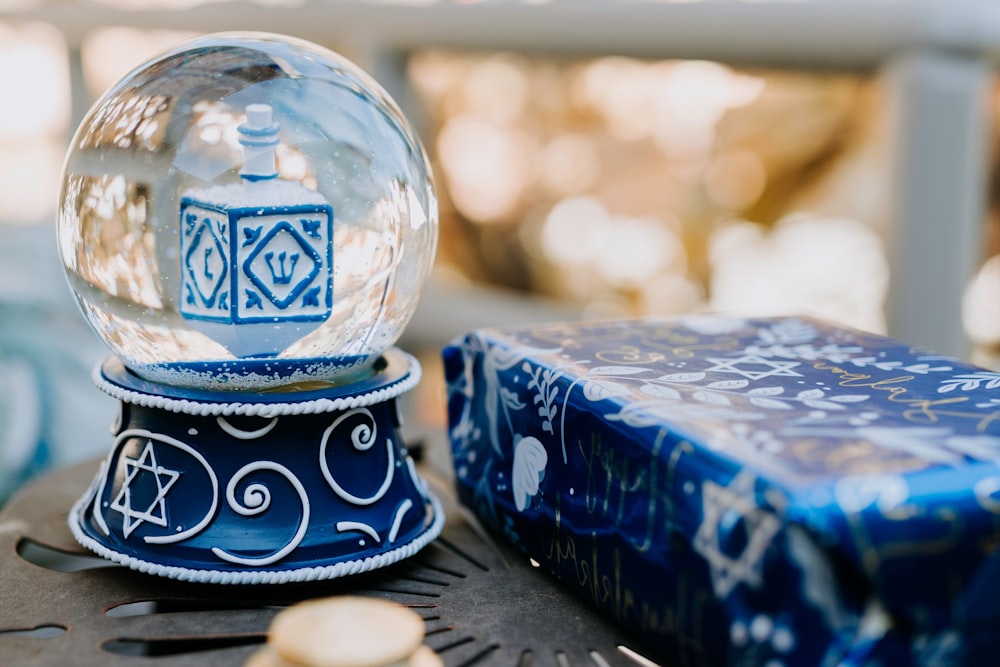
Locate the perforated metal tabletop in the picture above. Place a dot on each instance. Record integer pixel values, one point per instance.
(483, 603)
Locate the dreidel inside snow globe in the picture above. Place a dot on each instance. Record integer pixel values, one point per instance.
(248, 221)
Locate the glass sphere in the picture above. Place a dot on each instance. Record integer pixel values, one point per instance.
(247, 211)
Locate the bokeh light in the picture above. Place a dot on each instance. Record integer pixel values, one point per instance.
(630, 187)
(34, 73)
(610, 183)
(110, 53)
(981, 312)
(826, 267)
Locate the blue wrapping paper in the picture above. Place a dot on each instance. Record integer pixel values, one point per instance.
(745, 492)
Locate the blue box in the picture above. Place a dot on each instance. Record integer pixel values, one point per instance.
(744, 492)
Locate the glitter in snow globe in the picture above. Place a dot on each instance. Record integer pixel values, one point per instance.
(248, 221)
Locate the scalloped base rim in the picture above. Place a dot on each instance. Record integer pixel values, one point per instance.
(254, 374)
(401, 373)
(289, 575)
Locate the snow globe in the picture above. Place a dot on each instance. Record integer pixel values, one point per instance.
(247, 221)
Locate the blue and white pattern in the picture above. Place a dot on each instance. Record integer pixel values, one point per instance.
(315, 485)
(277, 268)
(256, 265)
(256, 256)
(792, 480)
(259, 251)
(136, 469)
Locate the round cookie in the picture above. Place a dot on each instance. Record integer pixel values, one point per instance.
(267, 657)
(424, 656)
(346, 631)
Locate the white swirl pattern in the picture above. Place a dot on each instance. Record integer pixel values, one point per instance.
(256, 500)
(250, 577)
(397, 518)
(345, 526)
(355, 432)
(363, 437)
(241, 434)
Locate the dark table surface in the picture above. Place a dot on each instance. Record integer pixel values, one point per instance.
(483, 603)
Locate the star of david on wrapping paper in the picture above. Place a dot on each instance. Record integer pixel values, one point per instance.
(146, 485)
(754, 367)
(732, 558)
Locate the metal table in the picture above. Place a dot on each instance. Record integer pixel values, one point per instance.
(483, 602)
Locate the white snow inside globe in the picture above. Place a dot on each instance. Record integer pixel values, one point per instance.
(246, 212)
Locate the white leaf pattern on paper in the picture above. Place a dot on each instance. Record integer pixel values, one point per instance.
(980, 447)
(728, 384)
(725, 386)
(595, 390)
(970, 382)
(790, 331)
(711, 397)
(823, 405)
(660, 391)
(858, 492)
(530, 460)
(510, 399)
(616, 370)
(849, 398)
(542, 381)
(766, 391)
(770, 403)
(495, 360)
(682, 377)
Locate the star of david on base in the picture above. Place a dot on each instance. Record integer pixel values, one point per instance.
(761, 526)
(156, 511)
(739, 366)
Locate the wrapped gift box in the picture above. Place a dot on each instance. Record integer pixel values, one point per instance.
(744, 492)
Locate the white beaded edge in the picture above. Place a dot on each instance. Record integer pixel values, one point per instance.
(317, 573)
(315, 406)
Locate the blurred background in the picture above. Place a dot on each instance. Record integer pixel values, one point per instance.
(594, 159)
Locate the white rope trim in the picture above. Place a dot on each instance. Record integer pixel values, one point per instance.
(345, 568)
(311, 407)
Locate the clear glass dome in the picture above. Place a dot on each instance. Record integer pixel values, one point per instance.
(247, 211)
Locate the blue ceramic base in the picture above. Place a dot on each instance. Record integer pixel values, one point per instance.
(271, 488)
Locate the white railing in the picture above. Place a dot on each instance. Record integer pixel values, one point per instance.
(937, 56)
